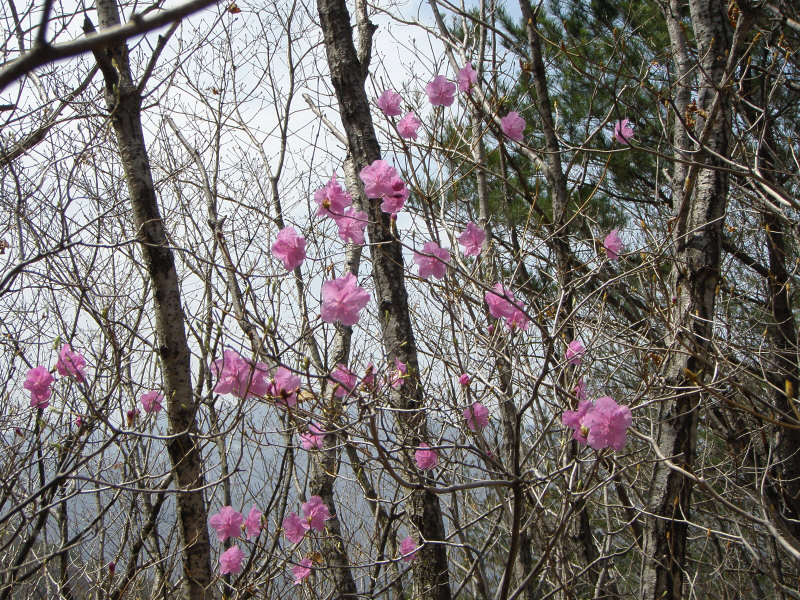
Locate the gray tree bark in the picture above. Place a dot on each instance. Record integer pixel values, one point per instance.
(430, 570)
(124, 102)
(699, 197)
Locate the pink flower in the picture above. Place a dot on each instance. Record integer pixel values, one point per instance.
(467, 77)
(503, 306)
(151, 402)
(79, 421)
(301, 571)
(71, 364)
(477, 416)
(408, 549)
(38, 383)
(613, 245)
(440, 91)
(382, 181)
(227, 522)
(513, 126)
(425, 457)
(252, 524)
(342, 299)
(131, 416)
(399, 375)
(436, 264)
(608, 424)
(238, 376)
(623, 132)
(574, 420)
(316, 513)
(408, 125)
(294, 528)
(346, 379)
(351, 226)
(290, 248)
(579, 391)
(575, 352)
(464, 379)
(314, 439)
(230, 561)
(389, 103)
(472, 239)
(332, 199)
(283, 387)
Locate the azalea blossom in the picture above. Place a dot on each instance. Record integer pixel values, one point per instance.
(440, 91)
(503, 306)
(408, 125)
(230, 561)
(472, 239)
(283, 387)
(575, 352)
(332, 199)
(238, 376)
(467, 77)
(574, 420)
(346, 379)
(477, 416)
(294, 528)
(342, 300)
(351, 226)
(398, 377)
(290, 247)
(227, 522)
(608, 424)
(151, 402)
(382, 181)
(71, 364)
(602, 424)
(436, 264)
(38, 382)
(252, 524)
(426, 457)
(316, 513)
(301, 571)
(613, 245)
(623, 132)
(464, 379)
(513, 126)
(368, 382)
(408, 549)
(314, 439)
(389, 103)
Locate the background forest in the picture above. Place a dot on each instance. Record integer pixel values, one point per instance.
(443, 300)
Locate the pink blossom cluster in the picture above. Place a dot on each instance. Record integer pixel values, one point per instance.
(294, 528)
(623, 131)
(39, 379)
(601, 424)
(230, 523)
(472, 239)
(613, 245)
(382, 181)
(408, 549)
(314, 439)
(426, 457)
(575, 352)
(238, 376)
(432, 261)
(289, 247)
(513, 126)
(283, 387)
(342, 300)
(476, 416)
(151, 402)
(503, 306)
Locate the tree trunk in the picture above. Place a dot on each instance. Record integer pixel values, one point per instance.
(699, 199)
(124, 102)
(430, 570)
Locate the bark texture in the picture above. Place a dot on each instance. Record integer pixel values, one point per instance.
(699, 200)
(430, 571)
(124, 102)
